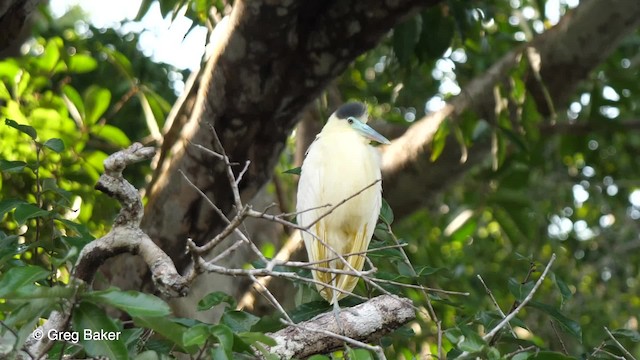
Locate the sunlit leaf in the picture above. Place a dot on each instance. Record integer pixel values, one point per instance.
(81, 63)
(74, 97)
(96, 101)
(111, 134)
(49, 58)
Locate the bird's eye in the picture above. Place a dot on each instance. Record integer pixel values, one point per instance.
(350, 120)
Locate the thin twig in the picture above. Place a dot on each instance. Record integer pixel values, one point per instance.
(341, 202)
(521, 350)
(555, 330)
(495, 303)
(271, 298)
(523, 303)
(624, 350)
(515, 311)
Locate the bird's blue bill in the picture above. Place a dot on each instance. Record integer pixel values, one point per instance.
(368, 132)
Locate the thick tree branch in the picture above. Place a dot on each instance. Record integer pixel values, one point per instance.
(125, 236)
(567, 53)
(253, 88)
(366, 322)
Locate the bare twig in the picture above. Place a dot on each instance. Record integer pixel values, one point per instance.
(523, 303)
(626, 352)
(555, 330)
(515, 311)
(495, 303)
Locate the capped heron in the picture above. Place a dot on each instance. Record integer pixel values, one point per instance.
(340, 163)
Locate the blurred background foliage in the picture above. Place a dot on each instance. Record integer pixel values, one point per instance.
(570, 189)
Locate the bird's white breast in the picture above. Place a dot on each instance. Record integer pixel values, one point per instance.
(337, 166)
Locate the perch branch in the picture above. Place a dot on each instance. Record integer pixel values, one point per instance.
(363, 323)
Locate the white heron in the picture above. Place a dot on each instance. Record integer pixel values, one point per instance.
(340, 163)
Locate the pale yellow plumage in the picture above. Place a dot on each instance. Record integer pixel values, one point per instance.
(340, 163)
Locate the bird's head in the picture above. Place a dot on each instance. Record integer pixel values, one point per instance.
(353, 116)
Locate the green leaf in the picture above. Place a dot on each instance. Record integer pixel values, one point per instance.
(565, 291)
(74, 97)
(225, 338)
(215, 298)
(25, 129)
(120, 61)
(18, 277)
(49, 58)
(96, 102)
(32, 291)
(111, 134)
(145, 5)
(133, 302)
(295, 171)
(150, 355)
(572, 327)
(319, 357)
(386, 213)
(25, 212)
(436, 34)
(22, 82)
(239, 320)
(54, 144)
(12, 166)
(168, 329)
(359, 354)
(8, 205)
(90, 319)
(196, 335)
(81, 63)
(439, 141)
(627, 333)
(519, 290)
(515, 138)
(405, 38)
(550, 355)
(218, 353)
(472, 342)
(308, 310)
(253, 337)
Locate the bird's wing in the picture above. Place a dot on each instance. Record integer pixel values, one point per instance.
(309, 195)
(360, 243)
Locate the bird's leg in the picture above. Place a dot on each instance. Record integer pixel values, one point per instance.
(334, 300)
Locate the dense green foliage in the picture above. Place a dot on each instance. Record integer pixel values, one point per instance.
(546, 191)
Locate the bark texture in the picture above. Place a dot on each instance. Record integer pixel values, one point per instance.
(366, 323)
(567, 54)
(270, 60)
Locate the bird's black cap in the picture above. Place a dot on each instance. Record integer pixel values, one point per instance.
(355, 109)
